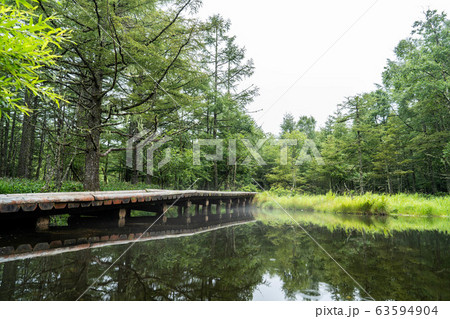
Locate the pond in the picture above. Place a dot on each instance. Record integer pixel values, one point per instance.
(271, 258)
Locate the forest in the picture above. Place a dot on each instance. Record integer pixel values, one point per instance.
(79, 79)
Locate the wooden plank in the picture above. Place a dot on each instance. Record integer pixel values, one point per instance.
(4, 251)
(119, 194)
(9, 208)
(29, 207)
(25, 248)
(41, 246)
(11, 203)
(60, 205)
(56, 244)
(46, 206)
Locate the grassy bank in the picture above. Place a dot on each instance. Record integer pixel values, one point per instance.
(399, 204)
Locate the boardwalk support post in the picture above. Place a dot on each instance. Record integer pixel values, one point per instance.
(163, 211)
(243, 207)
(206, 210)
(187, 214)
(228, 208)
(43, 223)
(250, 205)
(218, 212)
(236, 208)
(197, 209)
(122, 215)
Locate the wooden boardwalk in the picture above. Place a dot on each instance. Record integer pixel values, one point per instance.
(117, 204)
(12, 203)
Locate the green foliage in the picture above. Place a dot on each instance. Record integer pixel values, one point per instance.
(249, 188)
(399, 204)
(391, 140)
(386, 226)
(18, 185)
(26, 40)
(122, 186)
(22, 185)
(394, 139)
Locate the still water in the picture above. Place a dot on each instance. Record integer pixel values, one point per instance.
(271, 258)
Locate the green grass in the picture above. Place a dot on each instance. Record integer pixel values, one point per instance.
(21, 185)
(369, 224)
(400, 204)
(124, 186)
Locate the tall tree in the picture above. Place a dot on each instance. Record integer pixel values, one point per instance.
(418, 81)
(227, 66)
(118, 64)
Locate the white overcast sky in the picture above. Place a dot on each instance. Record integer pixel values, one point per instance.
(286, 37)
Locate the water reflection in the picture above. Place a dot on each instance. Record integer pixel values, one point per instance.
(74, 233)
(256, 261)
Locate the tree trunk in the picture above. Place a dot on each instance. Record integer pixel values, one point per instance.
(2, 147)
(41, 146)
(24, 153)
(60, 147)
(447, 177)
(105, 171)
(216, 83)
(413, 175)
(389, 182)
(9, 165)
(27, 139)
(361, 182)
(92, 162)
(234, 176)
(94, 121)
(34, 117)
(134, 172)
(8, 282)
(4, 151)
(359, 139)
(431, 172)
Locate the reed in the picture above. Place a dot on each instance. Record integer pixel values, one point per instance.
(375, 204)
(370, 224)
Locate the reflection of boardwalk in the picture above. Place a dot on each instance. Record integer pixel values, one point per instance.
(37, 208)
(87, 232)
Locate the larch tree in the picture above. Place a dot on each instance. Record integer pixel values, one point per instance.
(118, 64)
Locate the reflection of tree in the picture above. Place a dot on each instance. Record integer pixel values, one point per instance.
(228, 264)
(204, 267)
(220, 265)
(407, 266)
(74, 274)
(9, 273)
